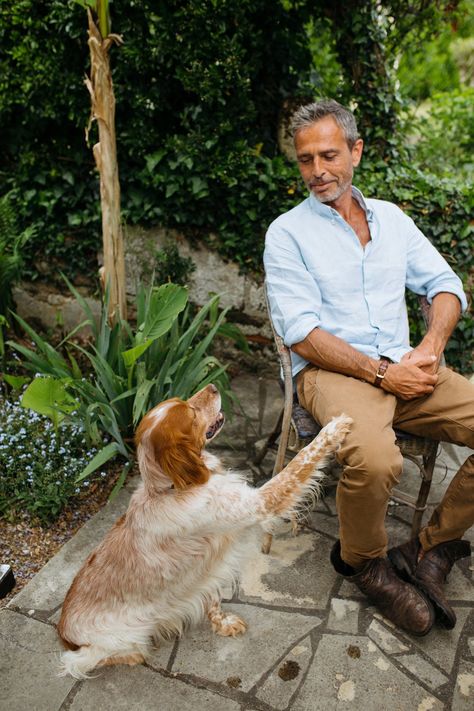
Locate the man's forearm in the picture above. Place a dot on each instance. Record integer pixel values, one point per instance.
(332, 353)
(444, 314)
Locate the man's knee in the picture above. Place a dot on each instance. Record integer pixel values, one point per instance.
(373, 468)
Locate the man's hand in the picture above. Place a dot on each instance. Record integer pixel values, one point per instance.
(424, 357)
(408, 381)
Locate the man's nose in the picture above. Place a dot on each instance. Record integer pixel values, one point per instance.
(318, 169)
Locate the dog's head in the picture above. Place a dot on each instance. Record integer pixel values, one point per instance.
(171, 438)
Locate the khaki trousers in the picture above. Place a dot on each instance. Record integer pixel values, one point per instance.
(373, 463)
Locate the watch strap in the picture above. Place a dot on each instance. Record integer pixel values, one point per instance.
(382, 369)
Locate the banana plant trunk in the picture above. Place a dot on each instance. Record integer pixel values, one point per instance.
(105, 154)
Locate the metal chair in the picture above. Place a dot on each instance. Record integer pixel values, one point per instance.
(296, 427)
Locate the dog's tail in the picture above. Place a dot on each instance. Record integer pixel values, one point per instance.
(78, 663)
(83, 660)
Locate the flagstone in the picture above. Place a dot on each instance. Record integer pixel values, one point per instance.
(269, 636)
(345, 673)
(287, 676)
(141, 689)
(297, 573)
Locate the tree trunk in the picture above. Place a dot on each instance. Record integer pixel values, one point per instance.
(105, 153)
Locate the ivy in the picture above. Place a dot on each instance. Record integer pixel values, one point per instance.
(203, 88)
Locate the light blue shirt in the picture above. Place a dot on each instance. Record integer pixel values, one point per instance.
(319, 275)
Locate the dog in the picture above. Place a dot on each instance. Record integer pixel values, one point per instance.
(187, 529)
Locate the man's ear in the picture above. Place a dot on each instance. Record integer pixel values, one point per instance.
(356, 151)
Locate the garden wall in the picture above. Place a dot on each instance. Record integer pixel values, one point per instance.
(243, 294)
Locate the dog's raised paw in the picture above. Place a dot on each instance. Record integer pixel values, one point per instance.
(231, 626)
(337, 429)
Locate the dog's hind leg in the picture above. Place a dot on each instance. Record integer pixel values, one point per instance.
(223, 623)
(129, 659)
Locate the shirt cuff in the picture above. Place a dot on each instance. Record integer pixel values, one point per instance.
(299, 331)
(448, 289)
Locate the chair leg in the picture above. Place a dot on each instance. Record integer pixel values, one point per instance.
(429, 461)
(272, 438)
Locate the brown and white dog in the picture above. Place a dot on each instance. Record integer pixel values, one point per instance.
(188, 526)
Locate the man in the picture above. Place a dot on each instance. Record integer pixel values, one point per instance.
(336, 270)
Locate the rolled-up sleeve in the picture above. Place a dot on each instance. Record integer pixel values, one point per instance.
(428, 273)
(294, 297)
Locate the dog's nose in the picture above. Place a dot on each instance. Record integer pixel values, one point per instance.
(213, 388)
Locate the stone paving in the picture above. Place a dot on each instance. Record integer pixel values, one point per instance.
(313, 643)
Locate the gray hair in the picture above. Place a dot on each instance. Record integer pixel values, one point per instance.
(309, 114)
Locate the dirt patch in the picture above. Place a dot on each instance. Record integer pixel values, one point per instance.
(353, 651)
(289, 670)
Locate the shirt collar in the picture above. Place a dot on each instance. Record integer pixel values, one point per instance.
(326, 211)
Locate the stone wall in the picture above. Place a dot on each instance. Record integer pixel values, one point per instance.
(242, 293)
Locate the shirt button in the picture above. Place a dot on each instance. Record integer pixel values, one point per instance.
(333, 222)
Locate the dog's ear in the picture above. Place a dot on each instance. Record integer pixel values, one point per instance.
(168, 449)
(182, 462)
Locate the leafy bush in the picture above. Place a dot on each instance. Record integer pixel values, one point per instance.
(202, 89)
(170, 266)
(441, 209)
(39, 463)
(166, 354)
(199, 83)
(444, 138)
(12, 242)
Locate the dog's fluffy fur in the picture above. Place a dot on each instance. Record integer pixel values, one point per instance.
(164, 563)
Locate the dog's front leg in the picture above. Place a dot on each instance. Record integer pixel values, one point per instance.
(285, 491)
(223, 623)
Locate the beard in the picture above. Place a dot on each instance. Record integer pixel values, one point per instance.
(334, 192)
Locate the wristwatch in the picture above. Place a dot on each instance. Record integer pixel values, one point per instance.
(382, 369)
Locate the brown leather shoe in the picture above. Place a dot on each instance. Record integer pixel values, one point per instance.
(430, 574)
(400, 602)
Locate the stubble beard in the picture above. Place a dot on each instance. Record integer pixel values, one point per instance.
(335, 194)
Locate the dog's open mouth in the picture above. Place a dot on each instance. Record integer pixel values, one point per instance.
(216, 426)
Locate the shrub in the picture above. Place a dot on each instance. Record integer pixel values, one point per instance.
(441, 209)
(134, 367)
(12, 242)
(39, 463)
(444, 138)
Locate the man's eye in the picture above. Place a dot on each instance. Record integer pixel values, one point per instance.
(304, 160)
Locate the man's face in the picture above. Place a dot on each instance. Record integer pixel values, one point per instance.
(325, 160)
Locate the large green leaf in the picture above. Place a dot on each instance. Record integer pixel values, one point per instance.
(166, 302)
(48, 396)
(131, 356)
(105, 454)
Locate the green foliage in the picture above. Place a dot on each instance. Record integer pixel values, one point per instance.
(39, 463)
(444, 137)
(12, 243)
(429, 68)
(169, 265)
(437, 61)
(442, 209)
(198, 83)
(168, 354)
(202, 88)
